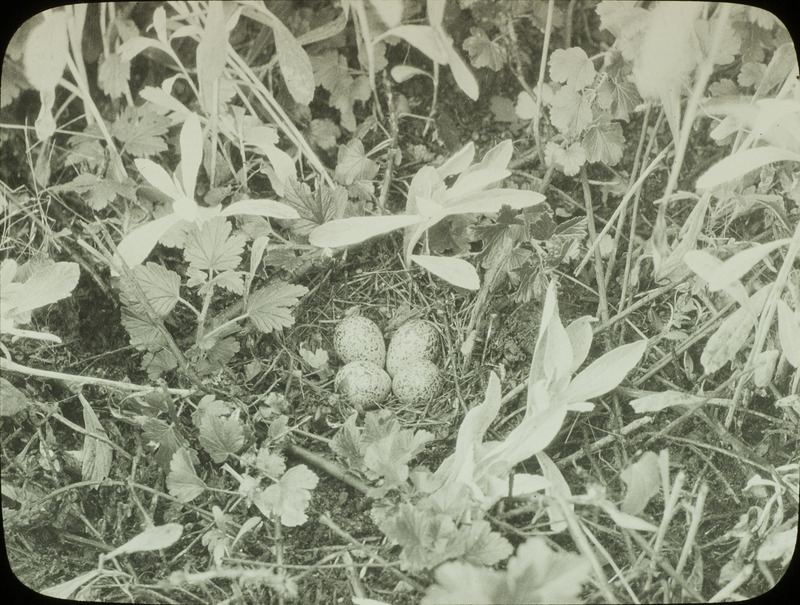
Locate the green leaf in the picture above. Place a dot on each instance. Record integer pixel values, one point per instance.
(143, 334)
(732, 333)
(573, 66)
(12, 400)
(481, 545)
(160, 285)
(352, 163)
(141, 130)
(535, 574)
(740, 163)
(386, 458)
(733, 269)
(212, 53)
(113, 74)
(422, 37)
(167, 438)
(571, 111)
(221, 436)
(211, 247)
(182, 481)
(348, 444)
(44, 286)
(295, 65)
(158, 362)
(270, 463)
(314, 208)
(604, 142)
(453, 270)
(324, 133)
(569, 160)
(391, 11)
(46, 51)
(349, 231)
(461, 73)
(484, 52)
(217, 355)
(270, 308)
(153, 538)
(751, 74)
(789, 333)
(605, 373)
(97, 454)
(642, 480)
(426, 537)
(333, 74)
(289, 498)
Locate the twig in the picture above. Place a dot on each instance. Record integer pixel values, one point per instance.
(7, 364)
(697, 516)
(327, 466)
(631, 308)
(665, 566)
(607, 440)
(727, 591)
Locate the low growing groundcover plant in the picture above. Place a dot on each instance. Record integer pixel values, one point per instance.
(587, 214)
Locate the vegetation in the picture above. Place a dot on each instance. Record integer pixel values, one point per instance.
(581, 219)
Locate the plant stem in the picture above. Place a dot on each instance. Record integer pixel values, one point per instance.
(621, 208)
(548, 28)
(598, 258)
(704, 72)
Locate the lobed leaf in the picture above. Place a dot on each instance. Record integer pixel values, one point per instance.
(270, 308)
(221, 436)
(573, 67)
(182, 480)
(211, 247)
(160, 285)
(289, 498)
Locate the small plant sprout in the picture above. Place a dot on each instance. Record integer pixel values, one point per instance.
(429, 201)
(137, 245)
(434, 42)
(552, 392)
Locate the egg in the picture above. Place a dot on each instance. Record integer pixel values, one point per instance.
(414, 340)
(362, 383)
(358, 338)
(417, 382)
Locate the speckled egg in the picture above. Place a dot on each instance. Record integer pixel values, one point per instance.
(414, 340)
(362, 383)
(357, 338)
(417, 382)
